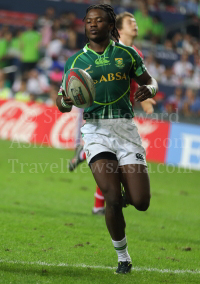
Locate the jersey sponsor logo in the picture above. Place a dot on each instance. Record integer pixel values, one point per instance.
(102, 61)
(119, 62)
(111, 77)
(78, 96)
(139, 157)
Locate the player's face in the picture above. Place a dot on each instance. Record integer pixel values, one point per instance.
(97, 26)
(129, 27)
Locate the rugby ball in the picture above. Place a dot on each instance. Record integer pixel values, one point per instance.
(79, 86)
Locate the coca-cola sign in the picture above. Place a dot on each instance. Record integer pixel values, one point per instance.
(154, 134)
(18, 120)
(38, 124)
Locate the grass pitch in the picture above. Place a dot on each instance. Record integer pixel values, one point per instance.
(48, 234)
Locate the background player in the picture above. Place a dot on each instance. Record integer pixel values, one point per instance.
(112, 142)
(128, 30)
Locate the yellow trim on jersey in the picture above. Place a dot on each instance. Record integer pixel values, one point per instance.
(87, 48)
(76, 59)
(106, 104)
(133, 60)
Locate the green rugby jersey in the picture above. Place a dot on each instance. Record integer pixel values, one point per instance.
(111, 73)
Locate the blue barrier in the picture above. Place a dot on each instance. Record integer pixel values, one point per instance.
(184, 146)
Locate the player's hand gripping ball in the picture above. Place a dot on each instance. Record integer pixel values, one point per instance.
(79, 86)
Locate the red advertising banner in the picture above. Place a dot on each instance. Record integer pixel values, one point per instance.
(154, 134)
(39, 124)
(17, 18)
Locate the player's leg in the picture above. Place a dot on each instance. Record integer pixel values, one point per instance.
(79, 155)
(107, 177)
(136, 184)
(109, 182)
(132, 163)
(104, 165)
(99, 202)
(79, 124)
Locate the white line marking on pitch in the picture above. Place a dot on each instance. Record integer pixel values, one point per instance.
(177, 271)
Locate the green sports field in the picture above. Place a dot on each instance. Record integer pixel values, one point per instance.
(48, 234)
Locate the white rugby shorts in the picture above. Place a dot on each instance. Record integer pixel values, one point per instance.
(118, 136)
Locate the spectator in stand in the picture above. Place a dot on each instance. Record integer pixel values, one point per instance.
(13, 54)
(196, 47)
(37, 83)
(175, 102)
(144, 21)
(56, 73)
(30, 45)
(152, 5)
(197, 70)
(56, 25)
(188, 44)
(47, 19)
(182, 67)
(46, 35)
(70, 19)
(59, 31)
(55, 46)
(3, 48)
(168, 2)
(67, 20)
(189, 6)
(154, 67)
(7, 58)
(168, 45)
(5, 39)
(193, 27)
(191, 104)
(44, 25)
(5, 91)
(124, 3)
(23, 95)
(158, 30)
(168, 78)
(177, 42)
(70, 47)
(192, 80)
(14, 47)
(51, 101)
(150, 62)
(71, 43)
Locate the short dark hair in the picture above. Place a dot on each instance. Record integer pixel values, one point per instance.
(111, 16)
(120, 18)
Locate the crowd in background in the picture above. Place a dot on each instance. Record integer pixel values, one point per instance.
(184, 6)
(32, 59)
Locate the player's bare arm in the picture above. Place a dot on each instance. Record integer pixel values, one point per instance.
(64, 103)
(148, 87)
